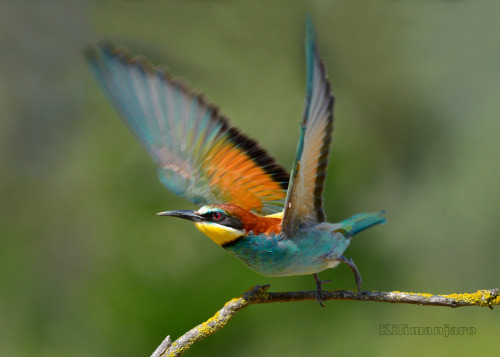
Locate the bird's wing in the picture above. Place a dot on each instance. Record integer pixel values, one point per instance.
(200, 156)
(304, 200)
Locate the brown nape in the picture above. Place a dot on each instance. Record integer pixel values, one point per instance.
(252, 222)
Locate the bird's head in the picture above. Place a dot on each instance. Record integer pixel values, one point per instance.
(225, 223)
(221, 223)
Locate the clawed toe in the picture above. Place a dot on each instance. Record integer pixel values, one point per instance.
(319, 290)
(350, 264)
(319, 283)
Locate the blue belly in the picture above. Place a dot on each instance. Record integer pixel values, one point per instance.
(307, 252)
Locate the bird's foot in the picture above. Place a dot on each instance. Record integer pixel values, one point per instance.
(319, 289)
(354, 269)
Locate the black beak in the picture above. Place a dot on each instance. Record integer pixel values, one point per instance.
(185, 214)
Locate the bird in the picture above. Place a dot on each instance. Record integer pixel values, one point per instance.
(272, 221)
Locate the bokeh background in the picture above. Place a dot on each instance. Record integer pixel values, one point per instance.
(88, 269)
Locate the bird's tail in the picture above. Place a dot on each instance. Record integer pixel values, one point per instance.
(362, 221)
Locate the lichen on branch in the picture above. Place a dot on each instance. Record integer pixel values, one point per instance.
(259, 295)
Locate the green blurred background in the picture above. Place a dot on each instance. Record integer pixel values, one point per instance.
(87, 268)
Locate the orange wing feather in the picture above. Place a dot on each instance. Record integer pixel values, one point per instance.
(200, 156)
(245, 183)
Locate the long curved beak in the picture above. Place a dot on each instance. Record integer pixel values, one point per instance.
(185, 214)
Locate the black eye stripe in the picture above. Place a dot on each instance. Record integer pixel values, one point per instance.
(224, 220)
(232, 222)
(211, 215)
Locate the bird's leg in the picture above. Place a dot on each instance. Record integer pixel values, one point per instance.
(354, 269)
(319, 290)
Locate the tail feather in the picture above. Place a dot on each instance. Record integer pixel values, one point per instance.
(359, 222)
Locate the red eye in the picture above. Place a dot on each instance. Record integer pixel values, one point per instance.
(216, 216)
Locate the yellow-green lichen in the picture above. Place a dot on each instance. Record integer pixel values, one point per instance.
(424, 295)
(212, 325)
(479, 298)
(209, 327)
(399, 295)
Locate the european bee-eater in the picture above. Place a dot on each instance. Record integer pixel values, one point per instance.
(274, 223)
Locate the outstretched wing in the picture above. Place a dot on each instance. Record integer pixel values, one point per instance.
(304, 200)
(200, 156)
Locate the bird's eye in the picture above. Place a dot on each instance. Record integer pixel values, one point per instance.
(216, 216)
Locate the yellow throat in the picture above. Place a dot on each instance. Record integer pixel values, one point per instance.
(219, 234)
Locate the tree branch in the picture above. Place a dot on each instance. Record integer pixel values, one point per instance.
(259, 295)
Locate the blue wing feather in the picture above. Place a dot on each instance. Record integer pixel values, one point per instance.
(304, 200)
(186, 136)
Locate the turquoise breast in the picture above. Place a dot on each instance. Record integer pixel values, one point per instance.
(307, 252)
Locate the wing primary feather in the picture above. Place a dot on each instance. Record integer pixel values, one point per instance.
(187, 136)
(304, 200)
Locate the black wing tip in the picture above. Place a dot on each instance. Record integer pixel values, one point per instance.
(312, 53)
(99, 49)
(105, 49)
(259, 155)
(89, 52)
